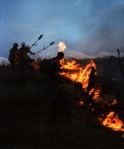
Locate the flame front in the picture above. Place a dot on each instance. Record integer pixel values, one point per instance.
(112, 121)
(77, 73)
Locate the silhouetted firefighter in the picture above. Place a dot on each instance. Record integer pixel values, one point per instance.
(25, 60)
(22, 47)
(14, 56)
(91, 82)
(52, 67)
(56, 61)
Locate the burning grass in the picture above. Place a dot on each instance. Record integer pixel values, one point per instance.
(78, 73)
(113, 121)
(32, 106)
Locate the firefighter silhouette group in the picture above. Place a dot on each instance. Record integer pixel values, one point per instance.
(19, 56)
(19, 59)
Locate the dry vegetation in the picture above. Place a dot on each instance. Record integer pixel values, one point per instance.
(37, 112)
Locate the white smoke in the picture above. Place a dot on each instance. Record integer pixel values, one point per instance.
(61, 46)
(4, 61)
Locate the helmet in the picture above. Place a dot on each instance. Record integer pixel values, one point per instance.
(23, 43)
(60, 55)
(15, 44)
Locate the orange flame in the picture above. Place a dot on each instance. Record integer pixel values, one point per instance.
(77, 73)
(96, 94)
(112, 121)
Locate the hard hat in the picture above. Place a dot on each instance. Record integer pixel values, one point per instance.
(23, 43)
(60, 55)
(15, 44)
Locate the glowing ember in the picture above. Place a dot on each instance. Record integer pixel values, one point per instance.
(114, 102)
(35, 65)
(96, 94)
(61, 46)
(112, 121)
(81, 103)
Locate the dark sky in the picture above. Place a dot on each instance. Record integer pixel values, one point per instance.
(88, 26)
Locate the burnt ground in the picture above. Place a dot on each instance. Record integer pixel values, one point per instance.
(36, 112)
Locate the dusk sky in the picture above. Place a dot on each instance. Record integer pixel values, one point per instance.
(88, 26)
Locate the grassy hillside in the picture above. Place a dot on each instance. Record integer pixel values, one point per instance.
(37, 112)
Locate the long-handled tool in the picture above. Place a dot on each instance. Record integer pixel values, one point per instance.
(35, 43)
(45, 47)
(119, 63)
